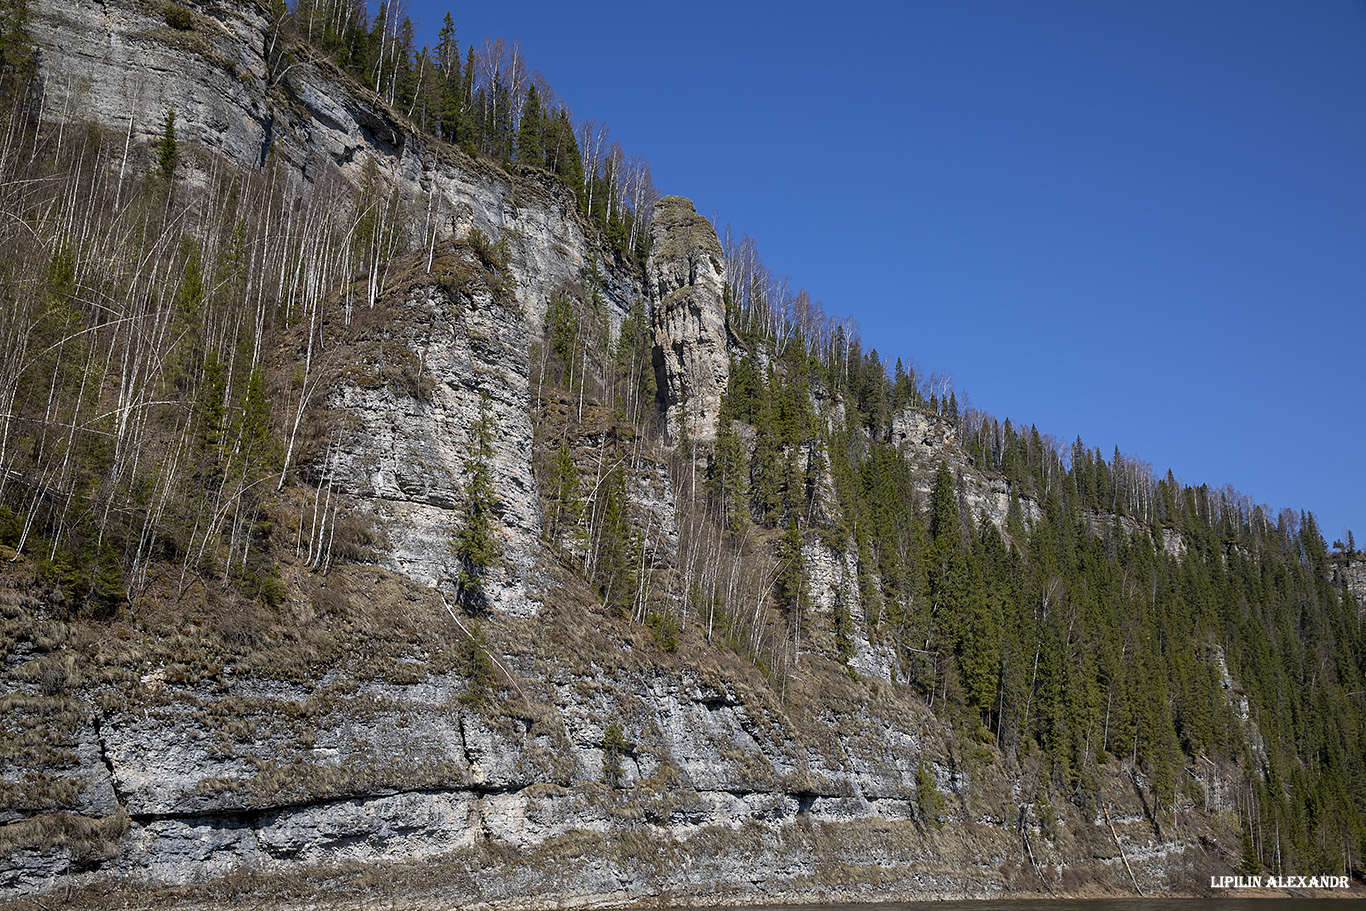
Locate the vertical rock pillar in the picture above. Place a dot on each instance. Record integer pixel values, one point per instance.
(688, 315)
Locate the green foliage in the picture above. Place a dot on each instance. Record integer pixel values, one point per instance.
(844, 629)
(212, 410)
(530, 133)
(256, 445)
(562, 325)
(18, 60)
(665, 629)
(614, 569)
(11, 526)
(929, 801)
(634, 364)
(478, 668)
(793, 588)
(168, 154)
(614, 747)
(178, 17)
(257, 575)
(476, 549)
(492, 254)
(566, 499)
(486, 107)
(727, 472)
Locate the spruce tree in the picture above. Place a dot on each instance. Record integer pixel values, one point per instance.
(614, 562)
(167, 153)
(792, 581)
(449, 102)
(530, 139)
(476, 548)
(562, 153)
(929, 801)
(17, 62)
(256, 444)
(566, 502)
(727, 471)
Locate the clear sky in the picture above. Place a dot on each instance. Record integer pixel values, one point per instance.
(1140, 223)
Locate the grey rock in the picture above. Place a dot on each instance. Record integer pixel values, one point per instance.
(687, 275)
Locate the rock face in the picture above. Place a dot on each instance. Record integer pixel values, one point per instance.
(125, 67)
(407, 410)
(402, 456)
(687, 278)
(385, 763)
(342, 733)
(122, 66)
(1351, 575)
(927, 439)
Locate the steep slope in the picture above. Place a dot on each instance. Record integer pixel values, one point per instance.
(625, 713)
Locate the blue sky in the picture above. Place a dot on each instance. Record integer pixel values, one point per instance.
(1142, 223)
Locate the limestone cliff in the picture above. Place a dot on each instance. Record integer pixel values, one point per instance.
(366, 740)
(122, 66)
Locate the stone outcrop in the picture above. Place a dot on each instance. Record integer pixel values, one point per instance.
(686, 279)
(927, 439)
(121, 66)
(336, 744)
(406, 409)
(1351, 575)
(280, 777)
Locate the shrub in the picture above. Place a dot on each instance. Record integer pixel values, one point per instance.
(478, 668)
(179, 18)
(614, 746)
(927, 797)
(665, 629)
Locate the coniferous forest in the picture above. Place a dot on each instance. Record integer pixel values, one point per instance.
(163, 371)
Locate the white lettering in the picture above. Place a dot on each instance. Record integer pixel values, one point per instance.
(1279, 882)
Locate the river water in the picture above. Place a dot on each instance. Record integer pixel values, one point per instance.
(1231, 903)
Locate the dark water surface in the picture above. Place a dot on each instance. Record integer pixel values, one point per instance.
(1231, 903)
